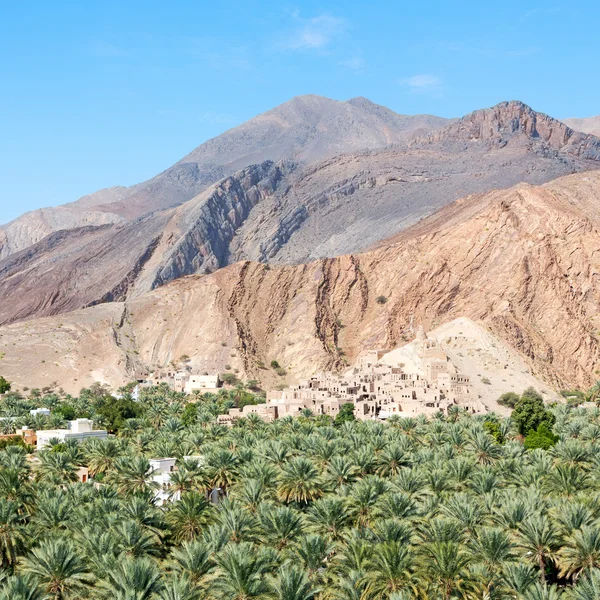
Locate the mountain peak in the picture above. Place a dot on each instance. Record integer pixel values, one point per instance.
(514, 122)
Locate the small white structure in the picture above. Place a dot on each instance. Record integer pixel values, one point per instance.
(163, 467)
(203, 383)
(79, 429)
(39, 411)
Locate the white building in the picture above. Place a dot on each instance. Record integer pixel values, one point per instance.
(163, 467)
(39, 411)
(79, 429)
(203, 383)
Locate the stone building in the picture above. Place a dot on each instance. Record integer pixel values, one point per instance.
(426, 383)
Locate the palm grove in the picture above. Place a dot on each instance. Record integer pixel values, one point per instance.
(455, 507)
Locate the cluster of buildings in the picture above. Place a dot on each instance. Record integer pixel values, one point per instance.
(418, 379)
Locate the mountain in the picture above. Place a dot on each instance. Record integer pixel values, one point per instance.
(522, 263)
(305, 129)
(587, 125)
(287, 212)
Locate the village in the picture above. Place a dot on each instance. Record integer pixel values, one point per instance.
(418, 379)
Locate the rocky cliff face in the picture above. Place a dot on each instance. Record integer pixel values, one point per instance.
(516, 123)
(522, 262)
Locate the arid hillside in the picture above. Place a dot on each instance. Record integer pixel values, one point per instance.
(523, 263)
(288, 213)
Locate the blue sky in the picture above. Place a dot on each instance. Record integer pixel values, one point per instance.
(95, 94)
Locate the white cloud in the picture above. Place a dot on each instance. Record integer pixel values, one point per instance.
(422, 83)
(315, 33)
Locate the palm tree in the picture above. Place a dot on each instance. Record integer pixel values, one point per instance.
(312, 550)
(236, 524)
(56, 467)
(132, 578)
(192, 559)
(292, 583)
(223, 466)
(328, 516)
(280, 525)
(12, 540)
(102, 455)
(593, 394)
(445, 564)
(189, 516)
(241, 570)
(491, 549)
(300, 482)
(389, 570)
(178, 588)
(133, 475)
(340, 472)
(587, 588)
(391, 460)
(133, 540)
(60, 570)
(581, 552)
(53, 514)
(537, 538)
(21, 587)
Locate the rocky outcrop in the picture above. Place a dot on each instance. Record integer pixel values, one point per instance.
(211, 222)
(512, 123)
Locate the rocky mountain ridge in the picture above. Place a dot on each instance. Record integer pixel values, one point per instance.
(304, 129)
(523, 263)
(289, 213)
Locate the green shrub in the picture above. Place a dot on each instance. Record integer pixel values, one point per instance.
(509, 399)
(530, 413)
(542, 438)
(381, 299)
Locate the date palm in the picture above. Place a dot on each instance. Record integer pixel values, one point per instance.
(21, 587)
(133, 475)
(135, 541)
(102, 455)
(280, 525)
(388, 571)
(445, 565)
(59, 569)
(192, 559)
(57, 468)
(300, 482)
(587, 588)
(292, 583)
(241, 573)
(328, 516)
(12, 540)
(132, 578)
(538, 540)
(491, 550)
(178, 588)
(581, 552)
(189, 516)
(312, 550)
